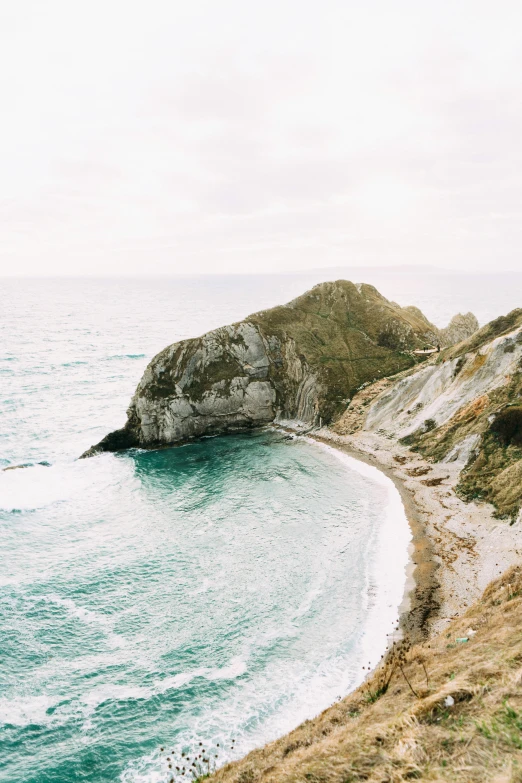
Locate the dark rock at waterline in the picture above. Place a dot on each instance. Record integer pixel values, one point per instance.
(28, 465)
(119, 440)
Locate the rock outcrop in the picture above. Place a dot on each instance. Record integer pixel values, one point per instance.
(460, 328)
(301, 361)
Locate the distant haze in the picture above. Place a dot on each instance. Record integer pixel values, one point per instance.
(167, 137)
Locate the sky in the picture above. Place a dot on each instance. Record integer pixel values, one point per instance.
(167, 137)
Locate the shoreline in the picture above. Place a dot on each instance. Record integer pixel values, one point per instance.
(419, 604)
(390, 548)
(458, 547)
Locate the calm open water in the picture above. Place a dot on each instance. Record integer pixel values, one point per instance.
(220, 591)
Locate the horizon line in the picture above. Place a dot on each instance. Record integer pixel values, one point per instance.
(402, 269)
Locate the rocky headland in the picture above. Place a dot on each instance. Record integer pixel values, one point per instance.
(300, 362)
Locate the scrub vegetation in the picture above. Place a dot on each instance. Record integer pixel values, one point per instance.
(497, 328)
(346, 335)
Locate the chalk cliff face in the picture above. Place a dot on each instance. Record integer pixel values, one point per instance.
(301, 361)
(463, 406)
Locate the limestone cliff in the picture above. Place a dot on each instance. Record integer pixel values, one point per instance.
(463, 406)
(301, 361)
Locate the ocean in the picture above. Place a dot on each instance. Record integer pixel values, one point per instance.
(216, 593)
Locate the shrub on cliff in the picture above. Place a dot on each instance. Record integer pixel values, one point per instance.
(389, 339)
(507, 426)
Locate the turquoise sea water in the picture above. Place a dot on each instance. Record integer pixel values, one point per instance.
(220, 592)
(215, 591)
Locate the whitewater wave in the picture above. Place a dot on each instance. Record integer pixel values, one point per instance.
(104, 622)
(53, 709)
(383, 592)
(32, 711)
(308, 600)
(33, 487)
(39, 485)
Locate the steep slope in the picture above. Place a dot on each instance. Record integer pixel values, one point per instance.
(301, 361)
(464, 406)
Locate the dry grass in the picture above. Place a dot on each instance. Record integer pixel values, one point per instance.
(401, 725)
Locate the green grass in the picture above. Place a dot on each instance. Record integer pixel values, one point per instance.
(505, 727)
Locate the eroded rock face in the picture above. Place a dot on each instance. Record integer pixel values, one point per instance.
(217, 383)
(465, 407)
(302, 361)
(439, 391)
(232, 379)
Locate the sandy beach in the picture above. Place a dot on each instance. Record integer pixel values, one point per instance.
(458, 548)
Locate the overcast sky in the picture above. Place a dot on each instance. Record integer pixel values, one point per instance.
(236, 136)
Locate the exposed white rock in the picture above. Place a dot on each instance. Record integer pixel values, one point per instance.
(459, 328)
(438, 391)
(462, 451)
